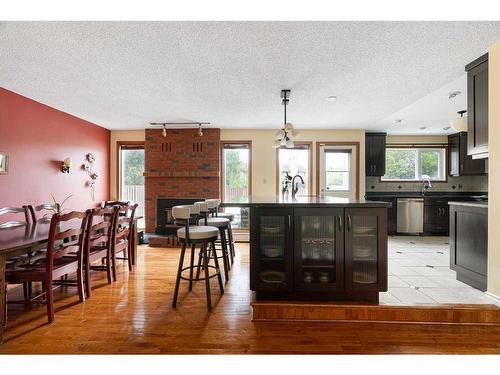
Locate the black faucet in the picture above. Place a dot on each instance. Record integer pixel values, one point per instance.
(295, 186)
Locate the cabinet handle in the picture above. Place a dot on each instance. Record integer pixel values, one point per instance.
(348, 223)
(290, 222)
(340, 223)
(439, 211)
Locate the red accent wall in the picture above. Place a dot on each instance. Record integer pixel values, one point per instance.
(37, 138)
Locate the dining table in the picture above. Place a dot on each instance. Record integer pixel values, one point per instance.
(16, 241)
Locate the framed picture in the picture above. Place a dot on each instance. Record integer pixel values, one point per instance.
(4, 163)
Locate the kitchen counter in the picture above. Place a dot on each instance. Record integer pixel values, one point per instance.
(470, 204)
(429, 194)
(304, 201)
(317, 248)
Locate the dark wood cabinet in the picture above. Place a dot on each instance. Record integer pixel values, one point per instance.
(319, 249)
(272, 253)
(459, 162)
(319, 253)
(375, 154)
(365, 250)
(477, 107)
(436, 219)
(469, 243)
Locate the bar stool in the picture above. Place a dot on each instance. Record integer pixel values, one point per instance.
(230, 217)
(222, 225)
(195, 235)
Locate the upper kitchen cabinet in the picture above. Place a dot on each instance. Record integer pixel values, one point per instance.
(459, 163)
(477, 107)
(375, 154)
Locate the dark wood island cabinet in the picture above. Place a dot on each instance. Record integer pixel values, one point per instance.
(469, 242)
(318, 248)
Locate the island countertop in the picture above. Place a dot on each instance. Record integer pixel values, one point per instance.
(303, 201)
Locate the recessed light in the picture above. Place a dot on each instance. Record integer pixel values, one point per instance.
(453, 94)
(423, 127)
(398, 121)
(331, 98)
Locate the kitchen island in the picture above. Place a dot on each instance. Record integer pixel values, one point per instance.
(317, 248)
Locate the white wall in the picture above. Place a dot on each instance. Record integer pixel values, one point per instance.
(264, 155)
(494, 170)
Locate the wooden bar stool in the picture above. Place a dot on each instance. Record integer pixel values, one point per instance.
(221, 225)
(215, 213)
(192, 236)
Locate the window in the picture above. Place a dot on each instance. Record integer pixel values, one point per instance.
(337, 169)
(236, 179)
(295, 161)
(415, 164)
(131, 174)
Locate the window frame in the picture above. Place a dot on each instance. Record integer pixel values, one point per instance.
(222, 167)
(338, 151)
(119, 177)
(309, 145)
(443, 147)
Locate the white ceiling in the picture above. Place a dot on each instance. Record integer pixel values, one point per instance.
(123, 75)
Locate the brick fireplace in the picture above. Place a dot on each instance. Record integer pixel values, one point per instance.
(179, 167)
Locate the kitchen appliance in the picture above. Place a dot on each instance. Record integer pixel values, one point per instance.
(410, 215)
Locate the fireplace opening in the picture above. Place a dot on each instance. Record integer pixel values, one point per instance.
(164, 219)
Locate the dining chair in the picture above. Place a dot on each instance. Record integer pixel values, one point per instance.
(98, 241)
(123, 236)
(64, 256)
(15, 216)
(38, 215)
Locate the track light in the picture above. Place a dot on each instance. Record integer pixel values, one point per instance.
(164, 131)
(200, 131)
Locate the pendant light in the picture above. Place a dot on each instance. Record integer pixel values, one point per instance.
(285, 136)
(459, 124)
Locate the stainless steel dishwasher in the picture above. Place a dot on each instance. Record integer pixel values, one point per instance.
(410, 215)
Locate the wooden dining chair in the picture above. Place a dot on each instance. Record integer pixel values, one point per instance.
(123, 236)
(64, 256)
(98, 241)
(15, 216)
(42, 213)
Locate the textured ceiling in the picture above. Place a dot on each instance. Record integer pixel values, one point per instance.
(123, 75)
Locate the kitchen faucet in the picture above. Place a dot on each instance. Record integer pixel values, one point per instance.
(426, 184)
(295, 186)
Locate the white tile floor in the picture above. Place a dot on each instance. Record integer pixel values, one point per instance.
(419, 273)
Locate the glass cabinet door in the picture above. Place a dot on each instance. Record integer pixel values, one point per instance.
(272, 249)
(318, 262)
(366, 266)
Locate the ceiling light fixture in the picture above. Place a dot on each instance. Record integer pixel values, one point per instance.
(331, 98)
(284, 136)
(398, 121)
(423, 127)
(453, 94)
(447, 128)
(460, 124)
(180, 125)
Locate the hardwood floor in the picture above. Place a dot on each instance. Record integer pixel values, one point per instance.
(134, 315)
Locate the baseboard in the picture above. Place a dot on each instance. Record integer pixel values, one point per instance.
(493, 296)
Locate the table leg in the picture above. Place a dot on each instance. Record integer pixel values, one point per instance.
(2, 295)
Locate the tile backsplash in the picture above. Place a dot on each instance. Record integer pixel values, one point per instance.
(462, 183)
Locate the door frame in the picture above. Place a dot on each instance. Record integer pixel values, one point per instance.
(309, 145)
(221, 182)
(318, 146)
(118, 163)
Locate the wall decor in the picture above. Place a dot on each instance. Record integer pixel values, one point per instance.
(4, 163)
(89, 168)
